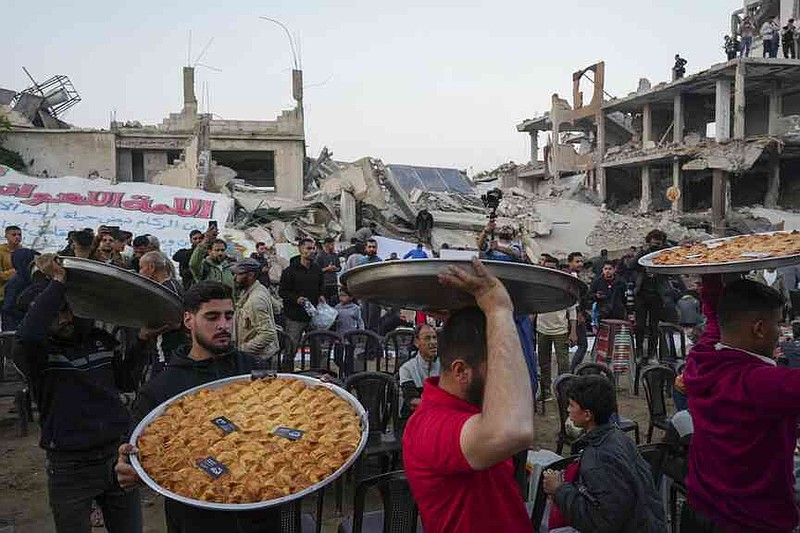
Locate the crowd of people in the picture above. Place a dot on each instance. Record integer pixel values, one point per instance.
(772, 36)
(466, 393)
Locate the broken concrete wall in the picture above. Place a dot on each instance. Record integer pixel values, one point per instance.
(182, 173)
(57, 153)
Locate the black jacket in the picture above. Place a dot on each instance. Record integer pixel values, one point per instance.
(182, 257)
(614, 491)
(297, 281)
(612, 303)
(73, 381)
(182, 374)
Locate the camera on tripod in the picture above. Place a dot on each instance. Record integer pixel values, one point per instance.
(491, 200)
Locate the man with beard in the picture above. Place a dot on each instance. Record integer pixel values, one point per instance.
(370, 311)
(301, 283)
(104, 249)
(255, 325)
(459, 443)
(415, 371)
(183, 256)
(209, 261)
(69, 365)
(208, 316)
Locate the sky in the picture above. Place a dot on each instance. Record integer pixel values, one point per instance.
(417, 82)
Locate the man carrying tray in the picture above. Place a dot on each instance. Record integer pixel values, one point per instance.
(208, 316)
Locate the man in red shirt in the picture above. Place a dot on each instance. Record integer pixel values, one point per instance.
(458, 445)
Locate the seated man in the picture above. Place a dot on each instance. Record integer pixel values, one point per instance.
(415, 371)
(458, 445)
(744, 409)
(613, 489)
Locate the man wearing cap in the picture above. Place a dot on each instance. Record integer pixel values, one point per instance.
(254, 322)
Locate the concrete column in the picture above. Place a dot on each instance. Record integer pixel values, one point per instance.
(774, 183)
(600, 119)
(739, 101)
(534, 145)
(775, 107)
(347, 214)
(647, 196)
(719, 186)
(647, 125)
(678, 119)
(722, 115)
(677, 179)
(189, 98)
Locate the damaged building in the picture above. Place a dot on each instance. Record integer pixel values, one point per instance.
(188, 149)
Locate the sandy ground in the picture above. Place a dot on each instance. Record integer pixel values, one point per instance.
(23, 490)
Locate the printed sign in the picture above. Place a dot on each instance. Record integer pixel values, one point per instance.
(288, 433)
(48, 208)
(212, 467)
(224, 424)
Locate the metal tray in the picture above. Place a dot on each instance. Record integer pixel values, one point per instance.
(413, 284)
(744, 265)
(155, 413)
(111, 294)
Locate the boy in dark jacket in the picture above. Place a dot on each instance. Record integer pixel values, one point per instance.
(69, 364)
(208, 316)
(614, 488)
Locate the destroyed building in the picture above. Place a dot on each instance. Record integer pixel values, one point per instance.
(188, 149)
(724, 137)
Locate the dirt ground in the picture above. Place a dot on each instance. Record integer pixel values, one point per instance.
(23, 488)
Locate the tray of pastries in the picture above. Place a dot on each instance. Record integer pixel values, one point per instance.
(741, 253)
(242, 443)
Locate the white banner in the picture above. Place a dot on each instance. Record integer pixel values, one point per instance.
(48, 208)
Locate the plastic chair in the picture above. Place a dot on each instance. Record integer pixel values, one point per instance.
(588, 369)
(539, 504)
(321, 348)
(656, 456)
(294, 520)
(362, 346)
(399, 343)
(399, 513)
(288, 351)
(670, 352)
(657, 380)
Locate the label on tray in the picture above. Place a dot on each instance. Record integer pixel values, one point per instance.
(212, 467)
(224, 424)
(288, 433)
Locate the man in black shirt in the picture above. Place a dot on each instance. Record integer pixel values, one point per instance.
(302, 282)
(183, 255)
(650, 293)
(609, 293)
(208, 316)
(328, 262)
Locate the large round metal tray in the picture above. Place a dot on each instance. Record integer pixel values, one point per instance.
(743, 265)
(118, 296)
(155, 413)
(413, 284)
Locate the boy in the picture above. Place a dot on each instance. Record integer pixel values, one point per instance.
(349, 317)
(613, 489)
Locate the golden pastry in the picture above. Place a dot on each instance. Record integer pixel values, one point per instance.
(742, 248)
(235, 425)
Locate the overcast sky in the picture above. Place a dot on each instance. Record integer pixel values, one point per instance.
(407, 82)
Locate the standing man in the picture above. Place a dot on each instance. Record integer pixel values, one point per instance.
(371, 311)
(13, 243)
(744, 409)
(261, 256)
(501, 249)
(169, 338)
(679, 70)
(255, 325)
(208, 316)
(184, 256)
(575, 268)
(69, 364)
(328, 262)
(302, 281)
(458, 445)
(209, 261)
(416, 253)
(730, 47)
(416, 371)
(609, 293)
(105, 251)
(141, 245)
(748, 30)
(788, 34)
(767, 32)
(649, 297)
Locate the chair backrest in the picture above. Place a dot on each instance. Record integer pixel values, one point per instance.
(657, 380)
(399, 347)
(321, 345)
(537, 513)
(400, 513)
(560, 385)
(288, 351)
(363, 345)
(379, 394)
(668, 350)
(596, 369)
(655, 454)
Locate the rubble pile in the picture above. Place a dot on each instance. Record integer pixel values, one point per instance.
(617, 232)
